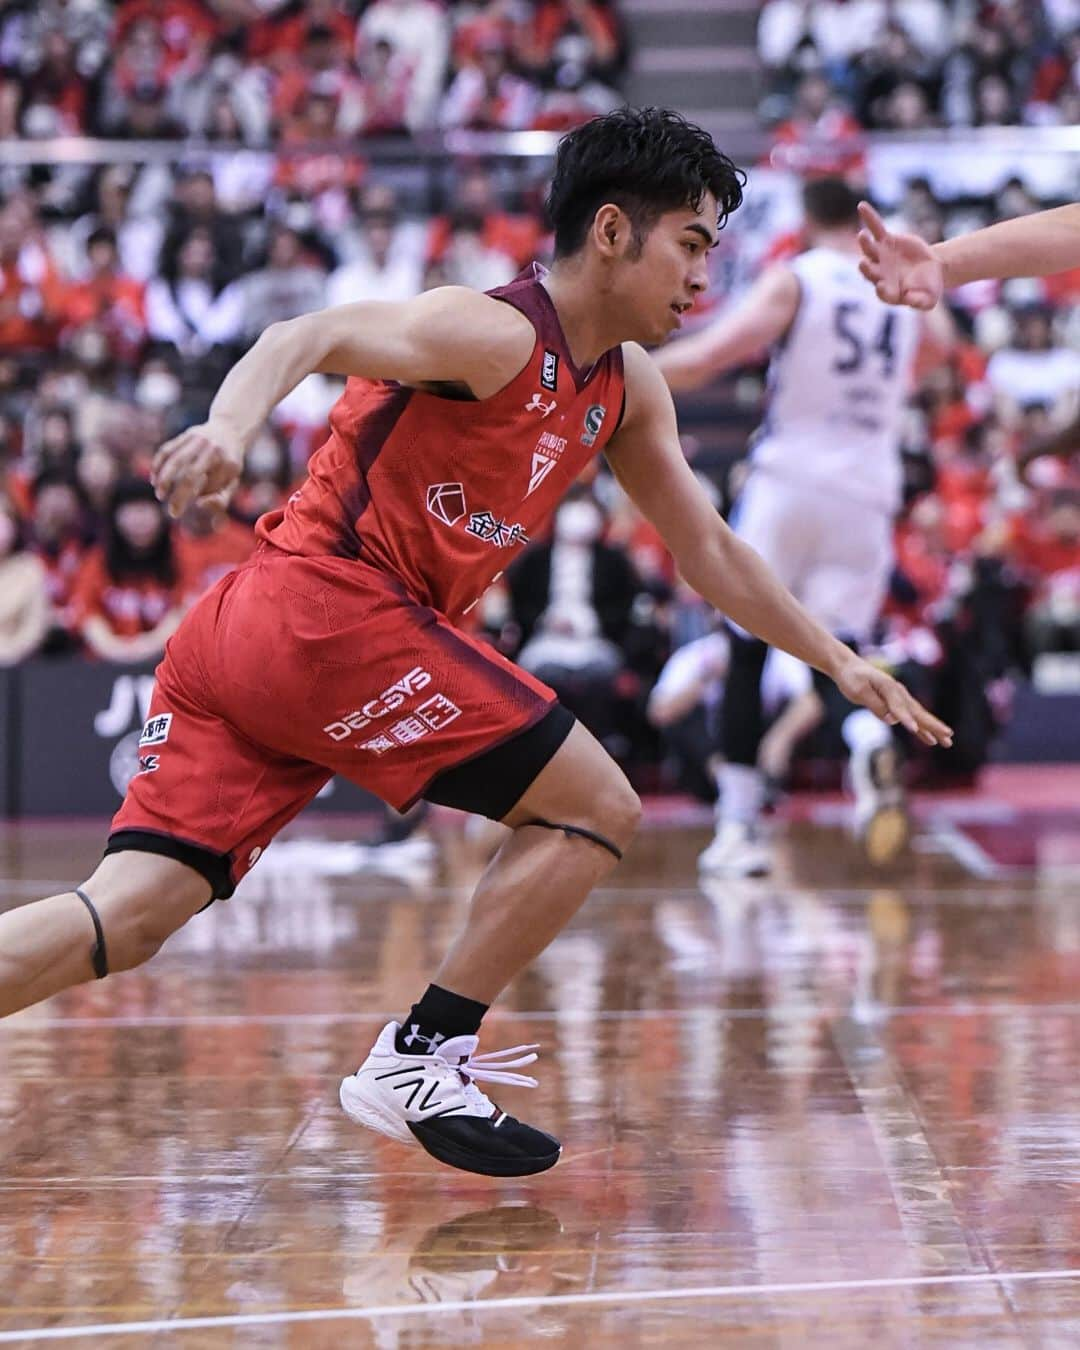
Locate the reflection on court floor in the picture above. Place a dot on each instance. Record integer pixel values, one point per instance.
(822, 1108)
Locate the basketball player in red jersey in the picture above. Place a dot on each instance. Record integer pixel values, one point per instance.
(334, 650)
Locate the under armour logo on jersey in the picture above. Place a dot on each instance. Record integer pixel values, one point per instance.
(537, 404)
(430, 1041)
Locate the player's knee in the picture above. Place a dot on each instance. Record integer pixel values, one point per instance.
(617, 812)
(134, 931)
(136, 925)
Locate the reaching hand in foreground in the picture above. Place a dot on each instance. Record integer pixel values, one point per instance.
(901, 267)
(199, 464)
(864, 683)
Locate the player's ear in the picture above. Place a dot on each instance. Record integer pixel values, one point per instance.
(610, 229)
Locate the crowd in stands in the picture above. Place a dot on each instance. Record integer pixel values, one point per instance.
(835, 66)
(126, 291)
(284, 72)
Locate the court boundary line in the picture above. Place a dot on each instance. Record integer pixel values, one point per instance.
(618, 1296)
(929, 1220)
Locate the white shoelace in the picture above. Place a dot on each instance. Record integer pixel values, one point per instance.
(492, 1067)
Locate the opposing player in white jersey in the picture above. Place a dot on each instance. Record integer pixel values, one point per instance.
(819, 502)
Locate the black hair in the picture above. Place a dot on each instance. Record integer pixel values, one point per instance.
(121, 560)
(102, 235)
(54, 476)
(644, 160)
(830, 203)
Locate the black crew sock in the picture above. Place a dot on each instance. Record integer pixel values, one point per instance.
(437, 1017)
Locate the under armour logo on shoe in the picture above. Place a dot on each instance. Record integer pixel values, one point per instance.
(430, 1041)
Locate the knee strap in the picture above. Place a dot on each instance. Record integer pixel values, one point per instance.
(99, 958)
(571, 830)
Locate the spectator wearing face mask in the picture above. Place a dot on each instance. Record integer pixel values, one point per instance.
(128, 599)
(572, 600)
(24, 601)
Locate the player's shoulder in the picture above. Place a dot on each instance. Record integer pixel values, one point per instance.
(641, 375)
(486, 342)
(467, 309)
(646, 391)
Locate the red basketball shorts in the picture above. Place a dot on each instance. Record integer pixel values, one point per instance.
(293, 669)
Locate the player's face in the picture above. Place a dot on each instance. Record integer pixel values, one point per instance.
(671, 272)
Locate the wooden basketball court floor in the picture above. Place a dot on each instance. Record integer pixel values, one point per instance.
(827, 1108)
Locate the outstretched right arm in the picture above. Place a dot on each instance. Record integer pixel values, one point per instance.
(451, 334)
(907, 271)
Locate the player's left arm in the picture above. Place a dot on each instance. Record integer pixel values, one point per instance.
(761, 317)
(647, 459)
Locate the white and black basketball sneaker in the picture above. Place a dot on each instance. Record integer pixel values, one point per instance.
(433, 1098)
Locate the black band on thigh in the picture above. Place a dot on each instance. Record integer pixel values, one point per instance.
(99, 957)
(215, 867)
(570, 830)
(496, 780)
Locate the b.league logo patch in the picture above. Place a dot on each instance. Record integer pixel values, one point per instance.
(549, 371)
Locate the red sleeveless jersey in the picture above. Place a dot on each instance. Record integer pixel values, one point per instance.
(444, 493)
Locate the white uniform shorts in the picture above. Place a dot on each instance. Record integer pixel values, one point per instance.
(834, 554)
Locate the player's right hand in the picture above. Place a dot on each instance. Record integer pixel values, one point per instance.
(902, 268)
(201, 462)
(865, 684)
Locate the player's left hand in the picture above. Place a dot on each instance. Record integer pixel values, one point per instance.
(865, 684)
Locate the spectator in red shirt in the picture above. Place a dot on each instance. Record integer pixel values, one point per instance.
(128, 599)
(488, 96)
(31, 292)
(583, 32)
(820, 137)
(186, 27)
(108, 298)
(59, 538)
(1046, 543)
(518, 236)
(55, 97)
(323, 66)
(387, 85)
(209, 544)
(314, 122)
(277, 42)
